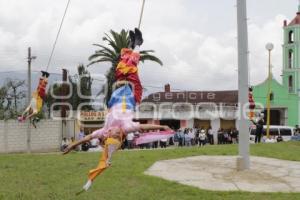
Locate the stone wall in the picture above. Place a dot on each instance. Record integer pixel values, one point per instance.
(45, 138)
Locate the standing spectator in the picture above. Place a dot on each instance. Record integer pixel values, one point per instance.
(155, 145)
(181, 138)
(171, 139)
(230, 136)
(210, 135)
(130, 137)
(259, 128)
(202, 138)
(297, 130)
(225, 137)
(81, 135)
(187, 139)
(184, 135)
(197, 136)
(176, 138)
(234, 136)
(192, 136)
(220, 136)
(163, 143)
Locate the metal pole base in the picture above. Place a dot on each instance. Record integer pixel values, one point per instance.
(242, 163)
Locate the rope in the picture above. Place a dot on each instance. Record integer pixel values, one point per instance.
(142, 13)
(61, 23)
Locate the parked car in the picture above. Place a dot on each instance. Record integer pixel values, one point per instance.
(286, 132)
(295, 138)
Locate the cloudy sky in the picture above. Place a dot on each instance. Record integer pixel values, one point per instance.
(196, 39)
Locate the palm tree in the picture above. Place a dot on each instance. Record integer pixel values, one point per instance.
(111, 53)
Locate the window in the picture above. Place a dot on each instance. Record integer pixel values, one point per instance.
(273, 131)
(291, 84)
(291, 36)
(291, 59)
(285, 132)
(271, 96)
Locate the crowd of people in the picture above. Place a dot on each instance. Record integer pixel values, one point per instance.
(189, 137)
(182, 137)
(202, 136)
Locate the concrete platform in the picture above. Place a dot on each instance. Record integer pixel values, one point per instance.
(219, 173)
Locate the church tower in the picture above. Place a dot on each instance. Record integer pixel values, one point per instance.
(285, 103)
(291, 54)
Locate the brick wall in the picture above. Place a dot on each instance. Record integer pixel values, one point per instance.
(45, 138)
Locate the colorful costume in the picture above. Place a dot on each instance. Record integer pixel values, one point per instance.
(38, 96)
(41, 89)
(120, 116)
(251, 103)
(119, 119)
(127, 70)
(153, 136)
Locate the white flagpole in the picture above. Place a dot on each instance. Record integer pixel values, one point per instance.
(243, 161)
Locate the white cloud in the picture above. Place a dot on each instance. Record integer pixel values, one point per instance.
(272, 32)
(193, 58)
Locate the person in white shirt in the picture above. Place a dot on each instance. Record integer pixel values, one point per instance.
(163, 143)
(130, 137)
(191, 134)
(202, 138)
(80, 136)
(270, 140)
(210, 136)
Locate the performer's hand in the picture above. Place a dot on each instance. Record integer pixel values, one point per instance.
(68, 149)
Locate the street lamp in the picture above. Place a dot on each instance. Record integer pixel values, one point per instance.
(269, 47)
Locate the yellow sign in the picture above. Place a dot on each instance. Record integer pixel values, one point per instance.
(92, 115)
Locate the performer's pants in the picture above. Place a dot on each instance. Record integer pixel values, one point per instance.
(111, 145)
(257, 137)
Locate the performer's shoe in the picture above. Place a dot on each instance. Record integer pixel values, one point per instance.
(132, 39)
(138, 37)
(45, 74)
(36, 119)
(108, 163)
(33, 124)
(87, 185)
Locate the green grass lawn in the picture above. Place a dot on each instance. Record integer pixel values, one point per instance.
(53, 176)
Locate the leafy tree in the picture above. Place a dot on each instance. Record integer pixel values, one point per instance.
(83, 80)
(3, 101)
(111, 53)
(15, 91)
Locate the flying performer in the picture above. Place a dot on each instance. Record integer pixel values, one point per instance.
(119, 119)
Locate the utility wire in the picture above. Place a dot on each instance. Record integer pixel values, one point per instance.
(141, 15)
(53, 48)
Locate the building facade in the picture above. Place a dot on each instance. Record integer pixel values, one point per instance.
(218, 109)
(190, 109)
(285, 98)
